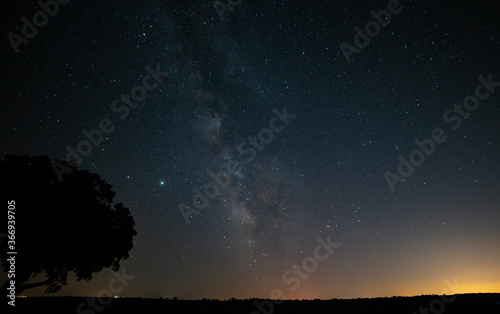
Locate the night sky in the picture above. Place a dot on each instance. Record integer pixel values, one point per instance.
(311, 139)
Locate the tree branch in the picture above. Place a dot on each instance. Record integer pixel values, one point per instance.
(25, 286)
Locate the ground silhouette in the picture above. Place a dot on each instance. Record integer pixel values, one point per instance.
(465, 303)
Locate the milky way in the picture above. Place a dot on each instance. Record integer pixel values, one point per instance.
(304, 132)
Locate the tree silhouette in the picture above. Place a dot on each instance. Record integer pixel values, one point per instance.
(61, 225)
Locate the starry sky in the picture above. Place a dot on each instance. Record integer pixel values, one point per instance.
(310, 138)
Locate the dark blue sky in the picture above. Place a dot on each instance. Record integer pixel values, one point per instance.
(320, 175)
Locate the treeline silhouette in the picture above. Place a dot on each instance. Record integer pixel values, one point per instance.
(484, 303)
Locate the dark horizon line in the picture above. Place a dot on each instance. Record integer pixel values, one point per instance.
(246, 299)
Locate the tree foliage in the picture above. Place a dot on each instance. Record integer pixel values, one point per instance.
(62, 226)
